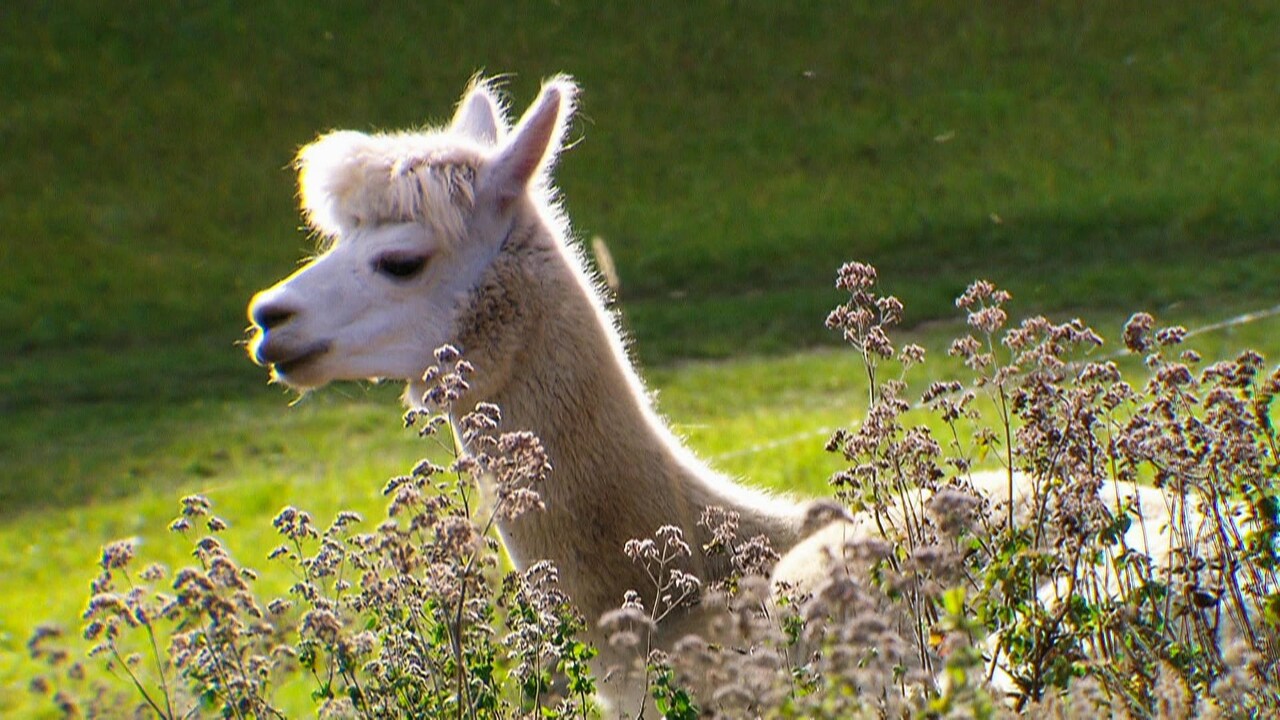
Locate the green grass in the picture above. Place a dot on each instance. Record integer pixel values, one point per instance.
(1094, 157)
(1089, 157)
(1096, 154)
(761, 419)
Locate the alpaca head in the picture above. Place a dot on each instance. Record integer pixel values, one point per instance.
(411, 223)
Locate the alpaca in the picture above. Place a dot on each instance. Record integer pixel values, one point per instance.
(455, 236)
(836, 553)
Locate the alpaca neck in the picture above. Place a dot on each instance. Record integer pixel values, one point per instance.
(555, 367)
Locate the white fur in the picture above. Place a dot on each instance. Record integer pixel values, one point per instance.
(504, 283)
(806, 565)
(832, 551)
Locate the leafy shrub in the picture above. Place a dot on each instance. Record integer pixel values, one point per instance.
(952, 604)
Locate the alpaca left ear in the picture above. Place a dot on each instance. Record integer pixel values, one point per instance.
(533, 145)
(477, 115)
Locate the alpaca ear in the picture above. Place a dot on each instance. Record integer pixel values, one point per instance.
(533, 145)
(477, 116)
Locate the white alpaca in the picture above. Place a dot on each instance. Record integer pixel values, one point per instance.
(454, 236)
(832, 551)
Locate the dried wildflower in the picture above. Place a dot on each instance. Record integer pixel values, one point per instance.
(981, 292)
(890, 309)
(1100, 373)
(295, 524)
(865, 317)
(117, 555)
(483, 419)
(629, 617)
(424, 469)
(623, 638)
(408, 620)
(970, 350)
(681, 586)
(279, 606)
(446, 354)
(334, 708)
(93, 630)
(40, 635)
(855, 276)
(755, 556)
(911, 355)
(39, 685)
(153, 572)
(1169, 336)
(988, 320)
(324, 625)
(444, 388)
(672, 540)
(1137, 332)
(723, 526)
(518, 501)
(954, 510)
(456, 536)
(195, 506)
(66, 704)
(641, 549)
(1174, 374)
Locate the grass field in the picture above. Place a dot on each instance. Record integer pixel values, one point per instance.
(1096, 158)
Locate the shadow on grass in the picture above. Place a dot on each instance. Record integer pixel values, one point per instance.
(1113, 269)
(87, 427)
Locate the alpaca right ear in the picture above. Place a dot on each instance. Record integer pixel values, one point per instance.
(477, 116)
(533, 145)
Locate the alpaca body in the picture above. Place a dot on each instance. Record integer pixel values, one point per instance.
(453, 236)
(807, 563)
(832, 552)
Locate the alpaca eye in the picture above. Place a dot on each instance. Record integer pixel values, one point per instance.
(400, 267)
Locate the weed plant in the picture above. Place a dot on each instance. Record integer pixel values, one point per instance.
(951, 604)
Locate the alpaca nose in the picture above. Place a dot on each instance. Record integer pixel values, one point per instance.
(267, 314)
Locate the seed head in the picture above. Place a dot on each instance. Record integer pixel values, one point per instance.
(855, 276)
(117, 555)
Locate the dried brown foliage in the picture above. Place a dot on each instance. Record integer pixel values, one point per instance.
(415, 617)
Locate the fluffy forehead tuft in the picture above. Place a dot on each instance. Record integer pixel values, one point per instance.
(349, 179)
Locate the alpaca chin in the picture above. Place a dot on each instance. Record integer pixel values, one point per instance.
(293, 367)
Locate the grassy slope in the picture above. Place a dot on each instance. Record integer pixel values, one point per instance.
(765, 419)
(1103, 156)
(722, 153)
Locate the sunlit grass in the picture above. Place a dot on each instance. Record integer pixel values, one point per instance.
(1097, 154)
(1093, 156)
(761, 419)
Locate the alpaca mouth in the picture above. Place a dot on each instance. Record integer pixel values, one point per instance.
(287, 366)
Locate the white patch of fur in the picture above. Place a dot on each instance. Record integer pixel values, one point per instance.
(350, 179)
